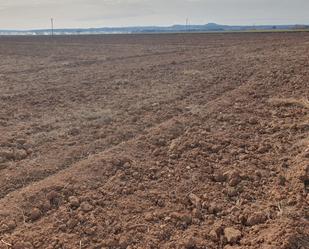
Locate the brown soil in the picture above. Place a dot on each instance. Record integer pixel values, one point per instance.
(154, 141)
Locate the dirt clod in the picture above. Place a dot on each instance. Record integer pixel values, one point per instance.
(214, 236)
(256, 218)
(182, 217)
(52, 196)
(86, 207)
(195, 200)
(233, 177)
(20, 154)
(214, 208)
(74, 201)
(35, 214)
(189, 243)
(232, 235)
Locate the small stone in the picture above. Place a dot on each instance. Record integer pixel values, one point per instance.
(232, 235)
(74, 201)
(173, 145)
(35, 214)
(86, 207)
(256, 218)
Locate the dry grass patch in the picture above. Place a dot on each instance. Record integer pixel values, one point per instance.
(304, 103)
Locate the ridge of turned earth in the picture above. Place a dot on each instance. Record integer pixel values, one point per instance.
(169, 141)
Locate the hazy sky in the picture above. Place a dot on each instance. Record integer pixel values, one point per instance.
(28, 14)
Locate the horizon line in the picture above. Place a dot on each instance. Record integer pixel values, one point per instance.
(156, 26)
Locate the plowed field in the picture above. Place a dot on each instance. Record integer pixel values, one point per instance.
(155, 141)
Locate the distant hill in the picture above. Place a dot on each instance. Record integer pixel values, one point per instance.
(210, 27)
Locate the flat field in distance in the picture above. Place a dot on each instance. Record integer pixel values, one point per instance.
(155, 141)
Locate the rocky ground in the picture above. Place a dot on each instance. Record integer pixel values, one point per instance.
(155, 141)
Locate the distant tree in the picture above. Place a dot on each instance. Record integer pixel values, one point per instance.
(274, 27)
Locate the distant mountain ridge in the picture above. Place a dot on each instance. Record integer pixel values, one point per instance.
(210, 27)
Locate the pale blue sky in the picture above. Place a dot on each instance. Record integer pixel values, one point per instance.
(28, 14)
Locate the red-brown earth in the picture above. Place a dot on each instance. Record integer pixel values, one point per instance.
(155, 141)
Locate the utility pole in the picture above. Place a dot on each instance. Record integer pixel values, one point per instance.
(52, 26)
(187, 23)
